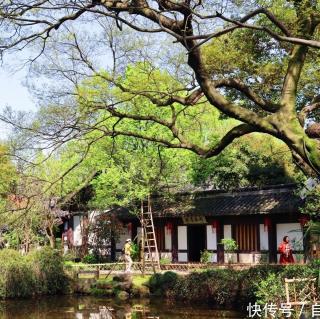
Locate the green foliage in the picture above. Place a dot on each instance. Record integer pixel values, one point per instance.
(214, 286)
(270, 290)
(229, 244)
(255, 161)
(16, 277)
(165, 261)
(311, 205)
(40, 272)
(205, 256)
(90, 259)
(48, 268)
(229, 287)
(135, 252)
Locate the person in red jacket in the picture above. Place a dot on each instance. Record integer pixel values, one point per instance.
(285, 250)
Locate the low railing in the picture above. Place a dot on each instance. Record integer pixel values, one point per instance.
(99, 270)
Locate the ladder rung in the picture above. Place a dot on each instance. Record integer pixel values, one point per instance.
(150, 232)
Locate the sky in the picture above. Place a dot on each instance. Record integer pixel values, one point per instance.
(14, 94)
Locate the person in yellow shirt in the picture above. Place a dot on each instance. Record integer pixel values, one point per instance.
(127, 255)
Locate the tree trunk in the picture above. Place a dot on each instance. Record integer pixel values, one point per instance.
(51, 237)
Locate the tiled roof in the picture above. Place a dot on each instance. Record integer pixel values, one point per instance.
(210, 203)
(277, 200)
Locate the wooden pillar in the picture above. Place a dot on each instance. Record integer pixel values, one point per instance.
(220, 248)
(113, 246)
(272, 240)
(174, 242)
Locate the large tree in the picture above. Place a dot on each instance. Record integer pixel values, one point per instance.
(256, 62)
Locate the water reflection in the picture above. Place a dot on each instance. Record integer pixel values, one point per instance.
(73, 307)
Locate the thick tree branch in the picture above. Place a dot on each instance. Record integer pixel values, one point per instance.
(248, 92)
(234, 133)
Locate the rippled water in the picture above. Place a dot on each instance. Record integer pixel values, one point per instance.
(67, 307)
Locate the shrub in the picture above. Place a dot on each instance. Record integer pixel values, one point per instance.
(229, 244)
(165, 261)
(70, 255)
(48, 268)
(40, 272)
(155, 282)
(90, 259)
(228, 287)
(16, 276)
(205, 256)
(270, 290)
(168, 280)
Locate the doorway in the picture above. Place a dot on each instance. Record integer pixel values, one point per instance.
(196, 241)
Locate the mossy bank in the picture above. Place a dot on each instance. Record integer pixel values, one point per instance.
(225, 288)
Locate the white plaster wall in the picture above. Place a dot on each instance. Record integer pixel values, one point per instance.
(246, 258)
(261, 258)
(211, 238)
(227, 231)
(182, 238)
(167, 239)
(77, 238)
(214, 258)
(124, 235)
(293, 230)
(182, 257)
(230, 257)
(264, 243)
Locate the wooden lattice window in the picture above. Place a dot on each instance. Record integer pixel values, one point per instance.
(246, 236)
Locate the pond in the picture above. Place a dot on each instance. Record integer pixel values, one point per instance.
(80, 307)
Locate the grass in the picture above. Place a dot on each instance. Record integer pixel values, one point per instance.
(139, 281)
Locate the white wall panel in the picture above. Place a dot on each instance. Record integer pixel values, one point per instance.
(264, 242)
(214, 258)
(77, 237)
(293, 230)
(182, 238)
(227, 231)
(182, 257)
(211, 238)
(167, 239)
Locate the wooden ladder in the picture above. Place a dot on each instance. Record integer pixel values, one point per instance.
(149, 238)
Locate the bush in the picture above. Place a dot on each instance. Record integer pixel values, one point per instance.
(90, 259)
(16, 276)
(40, 272)
(71, 255)
(270, 290)
(165, 261)
(228, 287)
(168, 280)
(205, 256)
(48, 269)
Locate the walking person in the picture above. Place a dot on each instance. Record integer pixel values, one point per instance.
(286, 256)
(127, 255)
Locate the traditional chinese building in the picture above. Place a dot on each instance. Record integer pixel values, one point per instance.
(189, 223)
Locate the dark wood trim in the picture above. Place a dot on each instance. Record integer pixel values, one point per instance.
(174, 242)
(272, 242)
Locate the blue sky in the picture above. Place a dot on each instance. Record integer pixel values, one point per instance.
(14, 94)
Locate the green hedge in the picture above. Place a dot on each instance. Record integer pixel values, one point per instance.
(40, 272)
(228, 287)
